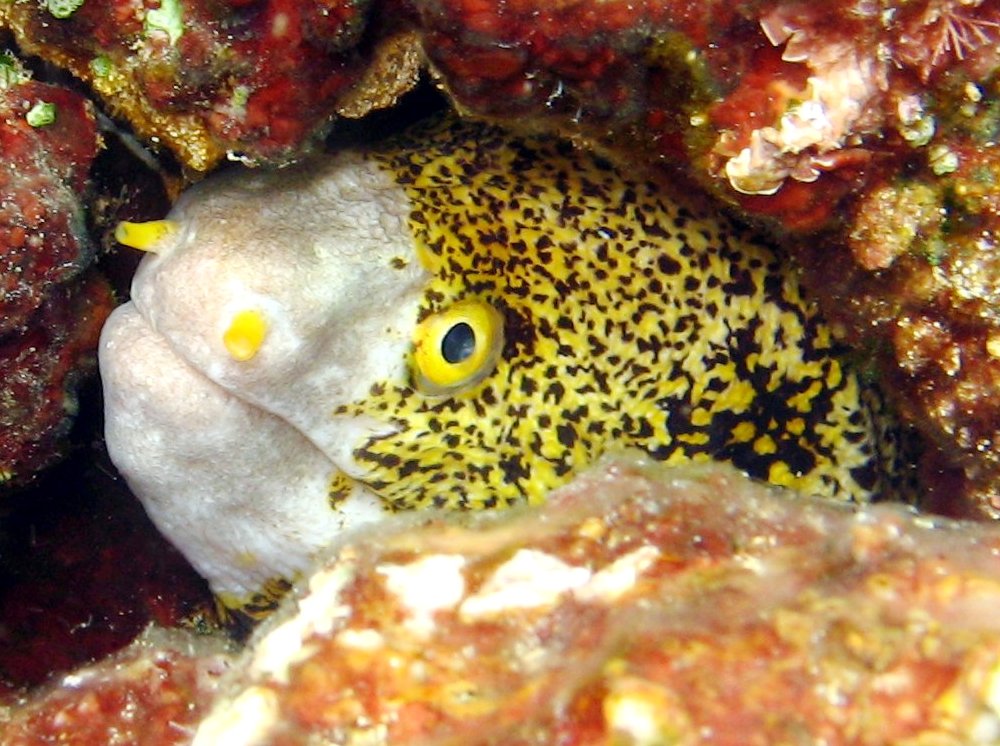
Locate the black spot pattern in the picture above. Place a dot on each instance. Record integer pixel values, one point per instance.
(631, 319)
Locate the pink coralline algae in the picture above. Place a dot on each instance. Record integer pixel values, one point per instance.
(854, 85)
(49, 139)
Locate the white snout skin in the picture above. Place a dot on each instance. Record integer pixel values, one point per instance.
(240, 491)
(233, 458)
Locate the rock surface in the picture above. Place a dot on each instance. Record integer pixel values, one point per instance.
(51, 311)
(640, 605)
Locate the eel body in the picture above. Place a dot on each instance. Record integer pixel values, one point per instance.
(461, 319)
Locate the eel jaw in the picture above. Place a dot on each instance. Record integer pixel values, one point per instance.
(243, 495)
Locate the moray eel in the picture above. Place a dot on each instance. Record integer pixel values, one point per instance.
(461, 319)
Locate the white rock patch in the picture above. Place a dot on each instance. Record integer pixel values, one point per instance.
(429, 584)
(528, 580)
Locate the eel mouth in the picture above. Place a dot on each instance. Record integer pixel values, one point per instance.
(355, 446)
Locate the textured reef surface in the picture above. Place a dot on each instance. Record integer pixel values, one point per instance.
(51, 308)
(258, 79)
(641, 605)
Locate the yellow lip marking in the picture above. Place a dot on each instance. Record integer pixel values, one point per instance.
(245, 334)
(144, 236)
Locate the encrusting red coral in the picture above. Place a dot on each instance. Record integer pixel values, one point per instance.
(40, 367)
(48, 137)
(764, 94)
(148, 693)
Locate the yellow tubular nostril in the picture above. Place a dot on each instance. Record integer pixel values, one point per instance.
(245, 335)
(144, 236)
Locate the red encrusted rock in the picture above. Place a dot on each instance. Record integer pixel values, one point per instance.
(567, 58)
(256, 79)
(917, 282)
(795, 101)
(40, 368)
(150, 693)
(50, 319)
(641, 605)
(43, 173)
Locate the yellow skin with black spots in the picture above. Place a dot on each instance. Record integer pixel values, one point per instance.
(631, 319)
(458, 319)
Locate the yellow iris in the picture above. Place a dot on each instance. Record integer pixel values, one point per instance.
(457, 348)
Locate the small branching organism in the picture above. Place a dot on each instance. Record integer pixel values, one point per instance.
(956, 29)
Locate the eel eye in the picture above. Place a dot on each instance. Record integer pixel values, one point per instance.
(459, 343)
(456, 348)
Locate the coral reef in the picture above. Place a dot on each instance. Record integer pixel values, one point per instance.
(49, 319)
(40, 367)
(148, 693)
(909, 269)
(640, 605)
